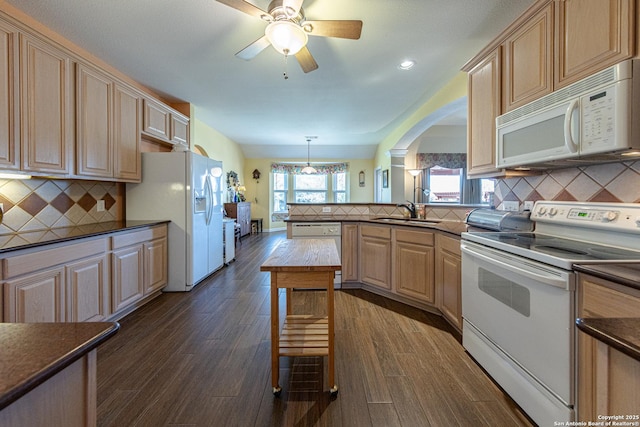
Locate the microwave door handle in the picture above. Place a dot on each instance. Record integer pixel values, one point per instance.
(568, 139)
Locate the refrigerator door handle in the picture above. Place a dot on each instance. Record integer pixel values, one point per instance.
(208, 195)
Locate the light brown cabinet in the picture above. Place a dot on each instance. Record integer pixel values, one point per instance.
(608, 380)
(484, 106)
(164, 123)
(375, 256)
(591, 36)
(46, 108)
(241, 211)
(85, 280)
(414, 264)
(448, 278)
(528, 61)
(350, 253)
(67, 282)
(9, 149)
(108, 127)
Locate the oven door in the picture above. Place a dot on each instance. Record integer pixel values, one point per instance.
(524, 312)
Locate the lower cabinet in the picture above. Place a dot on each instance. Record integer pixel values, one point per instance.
(350, 253)
(375, 256)
(414, 264)
(84, 280)
(448, 278)
(608, 380)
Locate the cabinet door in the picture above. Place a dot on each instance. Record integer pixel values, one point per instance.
(484, 107)
(608, 380)
(46, 105)
(448, 279)
(350, 252)
(128, 276)
(88, 290)
(415, 271)
(528, 61)
(375, 261)
(156, 120)
(155, 265)
(179, 129)
(591, 36)
(126, 129)
(9, 155)
(36, 298)
(94, 100)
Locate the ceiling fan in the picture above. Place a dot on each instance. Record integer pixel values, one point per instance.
(287, 30)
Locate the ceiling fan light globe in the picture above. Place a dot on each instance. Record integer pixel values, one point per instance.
(286, 36)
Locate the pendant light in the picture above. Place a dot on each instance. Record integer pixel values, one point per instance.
(308, 169)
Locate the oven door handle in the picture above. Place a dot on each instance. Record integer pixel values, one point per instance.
(557, 280)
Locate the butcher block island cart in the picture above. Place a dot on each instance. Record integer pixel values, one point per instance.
(302, 264)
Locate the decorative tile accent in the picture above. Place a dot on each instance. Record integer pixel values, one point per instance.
(42, 204)
(610, 182)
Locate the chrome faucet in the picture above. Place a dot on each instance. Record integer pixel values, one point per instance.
(411, 207)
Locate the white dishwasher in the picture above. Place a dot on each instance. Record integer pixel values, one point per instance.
(321, 230)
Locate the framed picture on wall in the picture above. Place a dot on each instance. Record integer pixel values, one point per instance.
(385, 178)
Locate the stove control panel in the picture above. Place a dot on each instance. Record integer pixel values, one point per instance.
(610, 216)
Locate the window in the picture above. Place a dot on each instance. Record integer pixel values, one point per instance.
(310, 188)
(340, 187)
(280, 186)
(445, 185)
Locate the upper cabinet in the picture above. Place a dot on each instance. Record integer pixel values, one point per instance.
(592, 35)
(108, 126)
(553, 44)
(46, 113)
(484, 107)
(165, 124)
(9, 151)
(528, 61)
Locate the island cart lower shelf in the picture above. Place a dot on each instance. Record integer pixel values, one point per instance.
(302, 264)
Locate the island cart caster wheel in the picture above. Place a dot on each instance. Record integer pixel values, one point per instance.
(334, 391)
(276, 391)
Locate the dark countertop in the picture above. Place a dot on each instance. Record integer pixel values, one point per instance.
(627, 274)
(31, 353)
(452, 227)
(623, 334)
(17, 241)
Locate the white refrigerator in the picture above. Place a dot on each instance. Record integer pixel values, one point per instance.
(185, 188)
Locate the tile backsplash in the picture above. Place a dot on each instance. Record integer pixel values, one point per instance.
(610, 182)
(38, 204)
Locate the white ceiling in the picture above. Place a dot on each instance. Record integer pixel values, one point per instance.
(184, 50)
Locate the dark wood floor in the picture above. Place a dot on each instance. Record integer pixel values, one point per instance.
(203, 359)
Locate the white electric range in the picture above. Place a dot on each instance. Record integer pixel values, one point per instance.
(518, 296)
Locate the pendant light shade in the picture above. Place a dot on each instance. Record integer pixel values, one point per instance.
(308, 169)
(286, 37)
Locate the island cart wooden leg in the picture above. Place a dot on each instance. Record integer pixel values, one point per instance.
(331, 362)
(275, 335)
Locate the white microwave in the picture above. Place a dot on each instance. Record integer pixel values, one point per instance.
(591, 121)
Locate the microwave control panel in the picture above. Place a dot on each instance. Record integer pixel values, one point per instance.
(598, 118)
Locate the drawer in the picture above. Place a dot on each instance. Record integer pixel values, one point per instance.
(46, 258)
(448, 244)
(412, 236)
(373, 231)
(122, 240)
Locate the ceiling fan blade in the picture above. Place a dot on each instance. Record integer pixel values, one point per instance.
(253, 49)
(306, 61)
(245, 7)
(341, 29)
(292, 7)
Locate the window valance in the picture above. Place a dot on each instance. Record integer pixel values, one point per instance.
(323, 169)
(444, 160)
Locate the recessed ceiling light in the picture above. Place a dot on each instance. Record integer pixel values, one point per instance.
(407, 64)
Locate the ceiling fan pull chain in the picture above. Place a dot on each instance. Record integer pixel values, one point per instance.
(286, 55)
